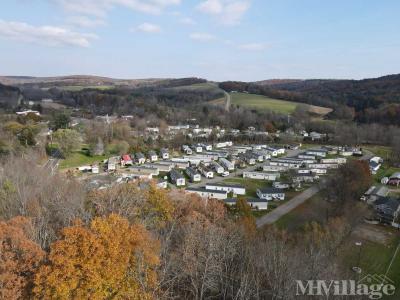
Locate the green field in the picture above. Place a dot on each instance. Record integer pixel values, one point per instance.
(260, 102)
(79, 158)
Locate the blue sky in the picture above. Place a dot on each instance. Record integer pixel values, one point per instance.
(214, 39)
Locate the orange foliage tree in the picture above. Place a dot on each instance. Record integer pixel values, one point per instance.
(108, 259)
(19, 258)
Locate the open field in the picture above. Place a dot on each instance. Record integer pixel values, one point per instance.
(265, 103)
(79, 158)
(76, 88)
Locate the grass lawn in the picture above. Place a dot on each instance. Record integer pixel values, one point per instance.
(385, 171)
(251, 185)
(311, 210)
(80, 158)
(375, 256)
(381, 151)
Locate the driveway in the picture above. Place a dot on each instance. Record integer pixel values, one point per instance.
(278, 212)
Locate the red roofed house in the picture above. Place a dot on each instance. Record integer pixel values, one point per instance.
(126, 160)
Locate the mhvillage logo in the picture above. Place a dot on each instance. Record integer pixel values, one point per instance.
(373, 286)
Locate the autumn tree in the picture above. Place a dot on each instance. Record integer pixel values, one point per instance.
(19, 258)
(67, 140)
(345, 186)
(108, 259)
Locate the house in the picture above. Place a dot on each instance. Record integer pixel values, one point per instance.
(224, 144)
(126, 160)
(323, 166)
(387, 209)
(228, 165)
(304, 177)
(217, 167)
(197, 148)
(112, 163)
(317, 152)
(144, 170)
(193, 174)
(153, 156)
(291, 163)
(177, 177)
(187, 150)
(274, 168)
(164, 153)
(161, 167)
(207, 193)
(154, 130)
(255, 203)
(178, 163)
(248, 157)
(281, 185)
(271, 194)
(26, 112)
(95, 169)
(394, 179)
(261, 175)
(207, 147)
(162, 183)
(140, 158)
(316, 136)
(374, 167)
(337, 160)
(319, 171)
(374, 193)
(229, 188)
(206, 171)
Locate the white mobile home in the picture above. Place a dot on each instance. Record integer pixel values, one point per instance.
(274, 168)
(261, 175)
(259, 204)
(153, 156)
(271, 194)
(209, 194)
(177, 178)
(164, 153)
(193, 174)
(217, 167)
(140, 158)
(228, 165)
(230, 188)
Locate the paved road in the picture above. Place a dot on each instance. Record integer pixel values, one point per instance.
(228, 101)
(53, 162)
(278, 212)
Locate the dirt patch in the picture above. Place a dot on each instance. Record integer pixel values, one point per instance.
(373, 233)
(319, 110)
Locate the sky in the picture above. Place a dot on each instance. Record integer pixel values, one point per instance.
(218, 40)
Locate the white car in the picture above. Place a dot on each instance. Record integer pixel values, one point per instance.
(225, 173)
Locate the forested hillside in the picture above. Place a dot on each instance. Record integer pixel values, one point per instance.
(369, 100)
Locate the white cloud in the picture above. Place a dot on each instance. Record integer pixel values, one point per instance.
(228, 12)
(100, 8)
(187, 21)
(253, 46)
(202, 36)
(148, 28)
(83, 21)
(45, 35)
